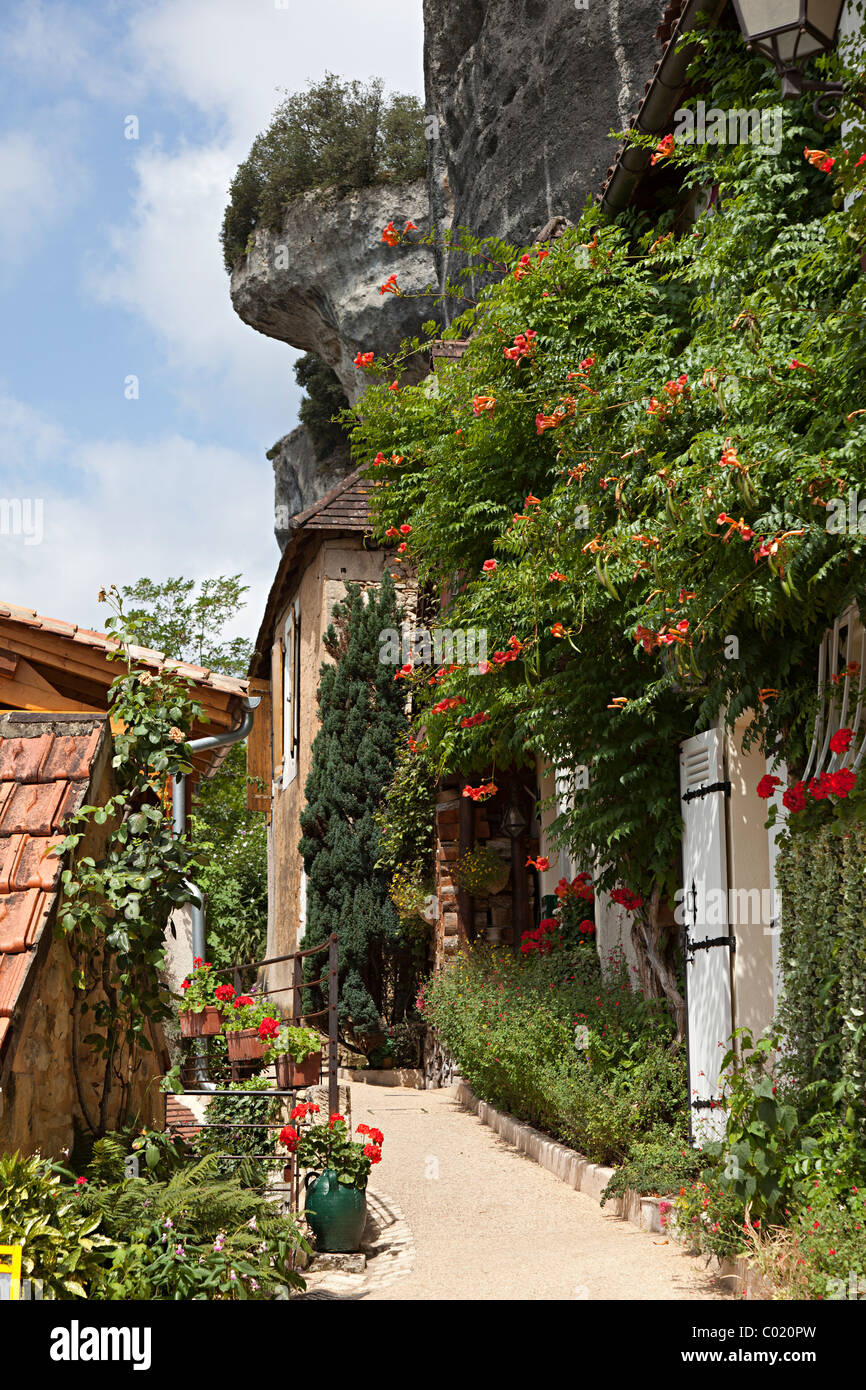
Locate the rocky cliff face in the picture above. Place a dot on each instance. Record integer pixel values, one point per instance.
(315, 282)
(300, 479)
(522, 95)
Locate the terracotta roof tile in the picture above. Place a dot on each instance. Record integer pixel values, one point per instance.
(21, 758)
(13, 969)
(20, 916)
(25, 862)
(33, 808)
(70, 757)
(44, 776)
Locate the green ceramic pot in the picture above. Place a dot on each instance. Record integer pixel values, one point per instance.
(336, 1213)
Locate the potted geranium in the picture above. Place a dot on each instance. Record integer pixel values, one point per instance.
(200, 1015)
(297, 1056)
(336, 1180)
(249, 1026)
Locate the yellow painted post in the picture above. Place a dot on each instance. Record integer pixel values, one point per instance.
(10, 1263)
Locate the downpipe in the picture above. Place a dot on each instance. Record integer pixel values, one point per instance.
(196, 896)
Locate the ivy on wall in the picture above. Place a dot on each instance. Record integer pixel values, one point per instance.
(823, 958)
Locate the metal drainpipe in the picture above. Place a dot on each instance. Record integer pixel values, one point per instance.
(655, 115)
(178, 803)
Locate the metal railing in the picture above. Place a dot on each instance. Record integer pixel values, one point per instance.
(291, 1184)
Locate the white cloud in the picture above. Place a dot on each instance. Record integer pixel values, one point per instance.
(37, 186)
(232, 56)
(114, 511)
(229, 59)
(165, 265)
(65, 45)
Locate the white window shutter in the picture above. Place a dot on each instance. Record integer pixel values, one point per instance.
(708, 970)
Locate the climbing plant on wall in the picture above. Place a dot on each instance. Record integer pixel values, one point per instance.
(625, 480)
(125, 877)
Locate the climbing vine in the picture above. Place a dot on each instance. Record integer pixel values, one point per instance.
(626, 480)
(125, 876)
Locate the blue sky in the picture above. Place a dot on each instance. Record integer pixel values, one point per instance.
(110, 267)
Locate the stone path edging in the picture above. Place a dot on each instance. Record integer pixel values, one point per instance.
(411, 1077)
(576, 1170)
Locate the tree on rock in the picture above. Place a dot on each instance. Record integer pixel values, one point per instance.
(361, 710)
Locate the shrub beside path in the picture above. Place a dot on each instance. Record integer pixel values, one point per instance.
(460, 1214)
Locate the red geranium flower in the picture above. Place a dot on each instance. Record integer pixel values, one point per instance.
(224, 993)
(767, 786)
(841, 740)
(794, 799)
(289, 1137)
(268, 1028)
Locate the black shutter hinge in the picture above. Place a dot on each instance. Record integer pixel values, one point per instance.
(705, 791)
(692, 946)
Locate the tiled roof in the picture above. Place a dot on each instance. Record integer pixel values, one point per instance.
(46, 763)
(664, 90)
(99, 641)
(344, 508)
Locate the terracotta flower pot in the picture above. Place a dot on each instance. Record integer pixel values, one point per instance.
(205, 1024)
(298, 1074)
(245, 1046)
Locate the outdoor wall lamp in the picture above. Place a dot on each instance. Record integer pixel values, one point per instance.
(515, 821)
(790, 31)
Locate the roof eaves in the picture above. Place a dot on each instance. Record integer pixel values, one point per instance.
(661, 97)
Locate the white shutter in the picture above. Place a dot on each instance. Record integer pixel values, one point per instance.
(708, 970)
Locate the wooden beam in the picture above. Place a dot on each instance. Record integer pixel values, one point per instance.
(28, 690)
(65, 654)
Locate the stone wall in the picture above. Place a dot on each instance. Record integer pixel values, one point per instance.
(40, 1106)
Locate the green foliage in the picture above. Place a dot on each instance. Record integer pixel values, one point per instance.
(407, 814)
(61, 1241)
(822, 951)
(710, 1217)
(361, 713)
(234, 842)
(657, 395)
(322, 406)
(295, 1042)
(117, 898)
(336, 135)
(760, 1131)
(188, 624)
(172, 617)
(658, 1167)
(194, 1236)
(328, 1147)
(552, 1042)
(199, 988)
(241, 1124)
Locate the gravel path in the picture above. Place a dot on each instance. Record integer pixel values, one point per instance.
(460, 1214)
